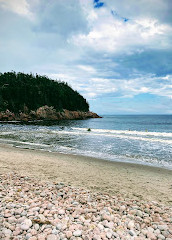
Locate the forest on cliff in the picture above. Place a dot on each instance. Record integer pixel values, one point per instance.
(20, 92)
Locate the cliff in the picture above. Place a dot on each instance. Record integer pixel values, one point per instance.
(46, 113)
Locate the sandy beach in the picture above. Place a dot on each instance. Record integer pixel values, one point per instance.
(129, 180)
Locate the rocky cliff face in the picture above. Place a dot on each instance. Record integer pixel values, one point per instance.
(46, 113)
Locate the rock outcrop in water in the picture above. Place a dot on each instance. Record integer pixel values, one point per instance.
(46, 113)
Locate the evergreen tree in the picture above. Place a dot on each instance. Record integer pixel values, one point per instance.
(20, 92)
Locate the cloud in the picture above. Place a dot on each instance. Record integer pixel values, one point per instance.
(116, 34)
(129, 87)
(21, 7)
(114, 60)
(154, 9)
(61, 17)
(87, 68)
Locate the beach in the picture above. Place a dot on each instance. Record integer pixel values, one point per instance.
(130, 180)
(57, 196)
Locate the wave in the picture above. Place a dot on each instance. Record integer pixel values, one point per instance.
(145, 153)
(128, 132)
(24, 143)
(121, 134)
(162, 137)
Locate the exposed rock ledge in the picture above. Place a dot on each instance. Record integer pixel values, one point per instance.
(46, 113)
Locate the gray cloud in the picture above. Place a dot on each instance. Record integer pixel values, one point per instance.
(157, 9)
(61, 17)
(96, 53)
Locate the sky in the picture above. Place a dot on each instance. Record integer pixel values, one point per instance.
(117, 54)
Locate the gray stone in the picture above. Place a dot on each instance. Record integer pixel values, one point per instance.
(132, 233)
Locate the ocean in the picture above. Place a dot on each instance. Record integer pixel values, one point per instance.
(142, 139)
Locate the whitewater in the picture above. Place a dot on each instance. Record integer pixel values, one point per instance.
(136, 139)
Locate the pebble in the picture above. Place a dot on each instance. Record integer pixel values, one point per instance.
(33, 238)
(61, 212)
(26, 224)
(36, 226)
(132, 233)
(109, 235)
(131, 225)
(52, 237)
(7, 231)
(162, 227)
(160, 236)
(122, 208)
(77, 233)
(151, 235)
(48, 211)
(68, 234)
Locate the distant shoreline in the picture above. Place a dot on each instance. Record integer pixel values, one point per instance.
(131, 180)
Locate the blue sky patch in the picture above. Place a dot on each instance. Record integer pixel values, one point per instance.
(126, 19)
(98, 4)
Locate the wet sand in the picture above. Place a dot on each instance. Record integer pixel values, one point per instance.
(129, 180)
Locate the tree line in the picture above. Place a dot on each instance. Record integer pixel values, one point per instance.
(20, 92)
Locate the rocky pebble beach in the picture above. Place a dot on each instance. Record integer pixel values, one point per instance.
(54, 211)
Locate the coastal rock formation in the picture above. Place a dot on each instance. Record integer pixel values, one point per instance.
(46, 113)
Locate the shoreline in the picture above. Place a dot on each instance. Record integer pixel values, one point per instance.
(132, 162)
(130, 180)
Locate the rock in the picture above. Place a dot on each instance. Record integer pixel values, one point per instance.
(160, 236)
(61, 212)
(157, 231)
(77, 233)
(33, 238)
(109, 235)
(132, 233)
(36, 226)
(41, 237)
(41, 217)
(7, 232)
(52, 237)
(166, 233)
(54, 231)
(150, 229)
(49, 206)
(100, 226)
(151, 235)
(28, 236)
(33, 232)
(162, 227)
(68, 234)
(26, 224)
(12, 220)
(131, 225)
(106, 217)
(139, 213)
(24, 227)
(122, 208)
(59, 226)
